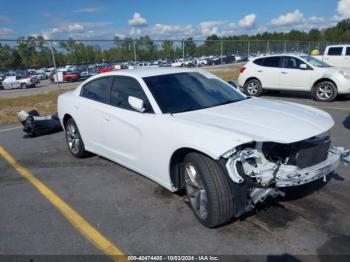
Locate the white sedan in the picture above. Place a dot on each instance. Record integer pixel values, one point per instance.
(188, 129)
(294, 73)
(12, 82)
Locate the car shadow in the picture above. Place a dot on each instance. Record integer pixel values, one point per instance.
(291, 194)
(346, 122)
(297, 94)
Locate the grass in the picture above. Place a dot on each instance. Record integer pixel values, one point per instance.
(46, 103)
(225, 73)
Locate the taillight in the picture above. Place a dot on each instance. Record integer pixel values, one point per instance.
(242, 69)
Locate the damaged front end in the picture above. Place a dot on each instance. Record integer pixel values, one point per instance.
(265, 168)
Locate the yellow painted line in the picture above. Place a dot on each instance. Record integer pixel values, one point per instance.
(87, 230)
(9, 129)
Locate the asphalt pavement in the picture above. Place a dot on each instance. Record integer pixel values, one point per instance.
(141, 218)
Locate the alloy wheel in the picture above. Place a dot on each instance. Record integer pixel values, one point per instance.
(252, 88)
(325, 92)
(195, 191)
(73, 138)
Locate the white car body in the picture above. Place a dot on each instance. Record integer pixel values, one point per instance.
(148, 143)
(336, 55)
(279, 78)
(12, 82)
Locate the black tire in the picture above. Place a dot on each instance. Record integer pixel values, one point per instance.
(74, 141)
(23, 85)
(325, 91)
(253, 87)
(217, 198)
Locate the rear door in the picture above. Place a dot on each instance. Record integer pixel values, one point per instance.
(93, 100)
(294, 78)
(269, 71)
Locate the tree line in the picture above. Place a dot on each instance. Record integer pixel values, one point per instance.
(36, 52)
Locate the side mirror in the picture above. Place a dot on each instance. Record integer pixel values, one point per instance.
(303, 66)
(136, 103)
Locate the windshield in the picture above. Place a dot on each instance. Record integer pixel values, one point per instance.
(314, 61)
(189, 91)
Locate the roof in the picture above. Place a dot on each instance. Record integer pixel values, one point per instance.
(281, 54)
(152, 71)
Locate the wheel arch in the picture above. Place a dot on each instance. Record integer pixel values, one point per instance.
(65, 119)
(323, 79)
(175, 165)
(252, 78)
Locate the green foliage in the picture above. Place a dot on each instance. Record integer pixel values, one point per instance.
(35, 52)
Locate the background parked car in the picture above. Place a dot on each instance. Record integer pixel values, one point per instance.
(336, 55)
(295, 73)
(12, 82)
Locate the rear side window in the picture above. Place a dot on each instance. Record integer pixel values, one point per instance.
(122, 88)
(335, 51)
(273, 61)
(258, 61)
(348, 51)
(97, 90)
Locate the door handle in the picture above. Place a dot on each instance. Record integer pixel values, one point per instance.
(107, 118)
(285, 73)
(260, 71)
(76, 107)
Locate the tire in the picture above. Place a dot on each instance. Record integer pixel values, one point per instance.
(74, 140)
(253, 87)
(207, 190)
(325, 91)
(23, 85)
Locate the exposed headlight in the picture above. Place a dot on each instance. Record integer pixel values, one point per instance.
(344, 74)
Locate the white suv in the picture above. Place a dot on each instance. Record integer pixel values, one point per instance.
(296, 73)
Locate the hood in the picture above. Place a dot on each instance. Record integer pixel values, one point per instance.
(262, 120)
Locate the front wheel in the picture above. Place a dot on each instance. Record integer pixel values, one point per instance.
(74, 140)
(253, 87)
(325, 92)
(23, 85)
(207, 190)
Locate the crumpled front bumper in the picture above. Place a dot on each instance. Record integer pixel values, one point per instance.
(288, 176)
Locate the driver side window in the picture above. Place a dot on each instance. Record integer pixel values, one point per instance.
(291, 62)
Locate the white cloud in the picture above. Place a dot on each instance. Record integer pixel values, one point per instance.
(248, 21)
(119, 35)
(137, 20)
(316, 20)
(135, 31)
(343, 9)
(292, 18)
(75, 28)
(5, 31)
(210, 27)
(87, 10)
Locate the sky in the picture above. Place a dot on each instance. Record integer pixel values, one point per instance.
(164, 19)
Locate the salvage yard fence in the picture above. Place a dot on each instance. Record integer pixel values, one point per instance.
(18, 56)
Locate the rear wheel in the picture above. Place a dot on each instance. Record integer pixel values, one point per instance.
(74, 141)
(207, 190)
(325, 91)
(253, 87)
